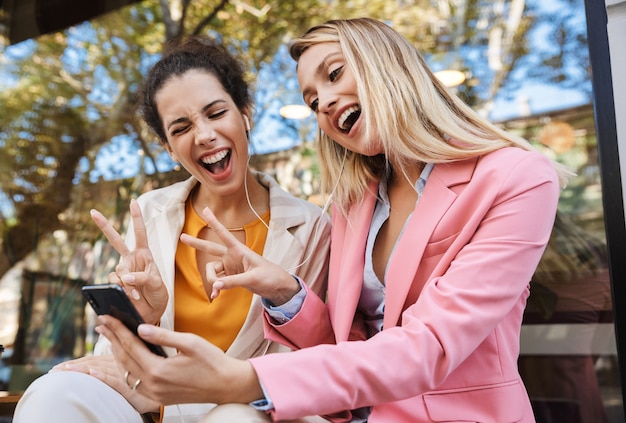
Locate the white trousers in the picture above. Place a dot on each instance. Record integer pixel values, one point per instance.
(73, 397)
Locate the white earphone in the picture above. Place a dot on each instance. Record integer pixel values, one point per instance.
(247, 122)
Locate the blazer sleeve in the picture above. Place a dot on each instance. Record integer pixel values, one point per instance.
(314, 267)
(489, 265)
(311, 325)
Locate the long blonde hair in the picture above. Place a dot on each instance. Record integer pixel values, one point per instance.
(418, 119)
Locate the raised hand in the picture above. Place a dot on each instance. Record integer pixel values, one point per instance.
(240, 266)
(136, 272)
(199, 373)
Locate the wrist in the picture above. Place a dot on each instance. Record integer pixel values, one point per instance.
(285, 294)
(249, 388)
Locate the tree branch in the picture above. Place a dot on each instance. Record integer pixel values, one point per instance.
(204, 22)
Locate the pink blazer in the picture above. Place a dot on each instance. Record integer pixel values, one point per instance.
(457, 285)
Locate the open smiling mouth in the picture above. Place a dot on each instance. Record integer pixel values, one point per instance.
(217, 162)
(348, 118)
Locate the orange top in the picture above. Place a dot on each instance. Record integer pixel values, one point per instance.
(218, 321)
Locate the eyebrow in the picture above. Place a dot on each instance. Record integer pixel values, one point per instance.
(204, 109)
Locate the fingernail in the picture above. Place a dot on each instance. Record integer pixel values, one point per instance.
(145, 329)
(135, 294)
(128, 278)
(94, 372)
(61, 367)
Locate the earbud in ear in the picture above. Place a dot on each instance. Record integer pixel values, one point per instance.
(247, 122)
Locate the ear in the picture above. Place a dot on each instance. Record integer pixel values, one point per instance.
(246, 122)
(168, 147)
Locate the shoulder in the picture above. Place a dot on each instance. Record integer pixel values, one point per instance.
(514, 154)
(165, 197)
(509, 171)
(517, 163)
(284, 203)
(498, 165)
(512, 171)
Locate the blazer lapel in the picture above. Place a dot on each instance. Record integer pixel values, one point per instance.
(250, 337)
(163, 229)
(281, 247)
(347, 263)
(433, 204)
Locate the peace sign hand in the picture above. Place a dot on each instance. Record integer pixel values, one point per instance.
(136, 272)
(240, 266)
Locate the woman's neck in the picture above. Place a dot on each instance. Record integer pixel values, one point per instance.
(234, 210)
(410, 176)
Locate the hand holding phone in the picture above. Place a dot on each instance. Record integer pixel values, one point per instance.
(112, 300)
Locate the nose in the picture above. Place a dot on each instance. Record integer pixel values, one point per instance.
(204, 132)
(326, 101)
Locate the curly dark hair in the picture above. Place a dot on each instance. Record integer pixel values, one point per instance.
(188, 53)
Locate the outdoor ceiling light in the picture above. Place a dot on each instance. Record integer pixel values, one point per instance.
(295, 111)
(450, 78)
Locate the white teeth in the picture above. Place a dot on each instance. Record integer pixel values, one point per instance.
(215, 157)
(345, 114)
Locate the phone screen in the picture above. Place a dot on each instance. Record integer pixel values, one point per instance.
(112, 300)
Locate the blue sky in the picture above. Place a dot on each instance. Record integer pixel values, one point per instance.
(541, 98)
(545, 97)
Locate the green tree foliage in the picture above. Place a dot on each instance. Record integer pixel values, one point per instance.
(72, 96)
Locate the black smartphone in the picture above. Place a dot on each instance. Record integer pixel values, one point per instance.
(112, 300)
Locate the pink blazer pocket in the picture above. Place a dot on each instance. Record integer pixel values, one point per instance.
(498, 403)
(438, 247)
